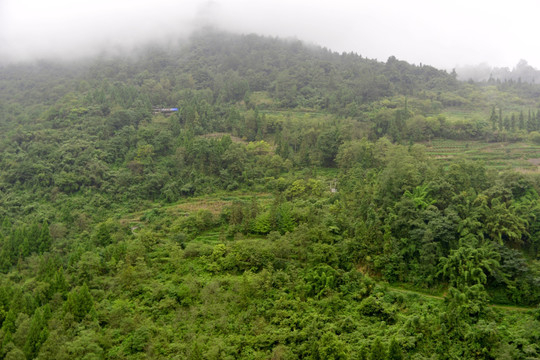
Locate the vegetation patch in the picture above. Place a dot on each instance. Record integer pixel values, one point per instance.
(266, 218)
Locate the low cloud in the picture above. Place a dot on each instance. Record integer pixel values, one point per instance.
(443, 34)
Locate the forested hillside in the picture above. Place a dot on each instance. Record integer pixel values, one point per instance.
(300, 204)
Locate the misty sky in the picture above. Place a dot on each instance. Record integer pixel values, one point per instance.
(445, 34)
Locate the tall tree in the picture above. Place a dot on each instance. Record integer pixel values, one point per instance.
(493, 119)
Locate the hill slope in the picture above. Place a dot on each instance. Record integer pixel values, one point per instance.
(265, 218)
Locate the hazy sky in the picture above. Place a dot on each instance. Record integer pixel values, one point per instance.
(441, 33)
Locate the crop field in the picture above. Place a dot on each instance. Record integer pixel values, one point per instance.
(453, 115)
(210, 237)
(519, 156)
(303, 117)
(212, 203)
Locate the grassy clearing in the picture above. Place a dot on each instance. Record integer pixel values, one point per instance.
(214, 203)
(305, 117)
(456, 114)
(210, 237)
(219, 135)
(261, 98)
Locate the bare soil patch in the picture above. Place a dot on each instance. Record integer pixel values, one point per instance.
(535, 161)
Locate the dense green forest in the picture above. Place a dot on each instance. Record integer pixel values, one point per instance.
(294, 207)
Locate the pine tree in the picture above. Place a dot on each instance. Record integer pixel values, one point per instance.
(8, 326)
(5, 260)
(506, 124)
(493, 119)
(59, 284)
(44, 240)
(285, 221)
(79, 302)
(36, 335)
(6, 226)
(102, 236)
(25, 248)
(530, 126)
(32, 234)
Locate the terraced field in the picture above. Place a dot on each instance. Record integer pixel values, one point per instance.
(520, 156)
(212, 203)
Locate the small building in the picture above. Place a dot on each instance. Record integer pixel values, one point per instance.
(167, 111)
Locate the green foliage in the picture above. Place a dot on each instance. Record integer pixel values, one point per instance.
(330, 347)
(377, 350)
(262, 224)
(266, 217)
(79, 303)
(394, 351)
(469, 265)
(36, 335)
(420, 197)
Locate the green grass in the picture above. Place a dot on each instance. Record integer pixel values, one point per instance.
(458, 114)
(209, 237)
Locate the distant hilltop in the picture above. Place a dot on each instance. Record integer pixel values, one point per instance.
(483, 72)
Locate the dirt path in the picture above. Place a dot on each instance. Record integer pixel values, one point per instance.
(501, 307)
(404, 291)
